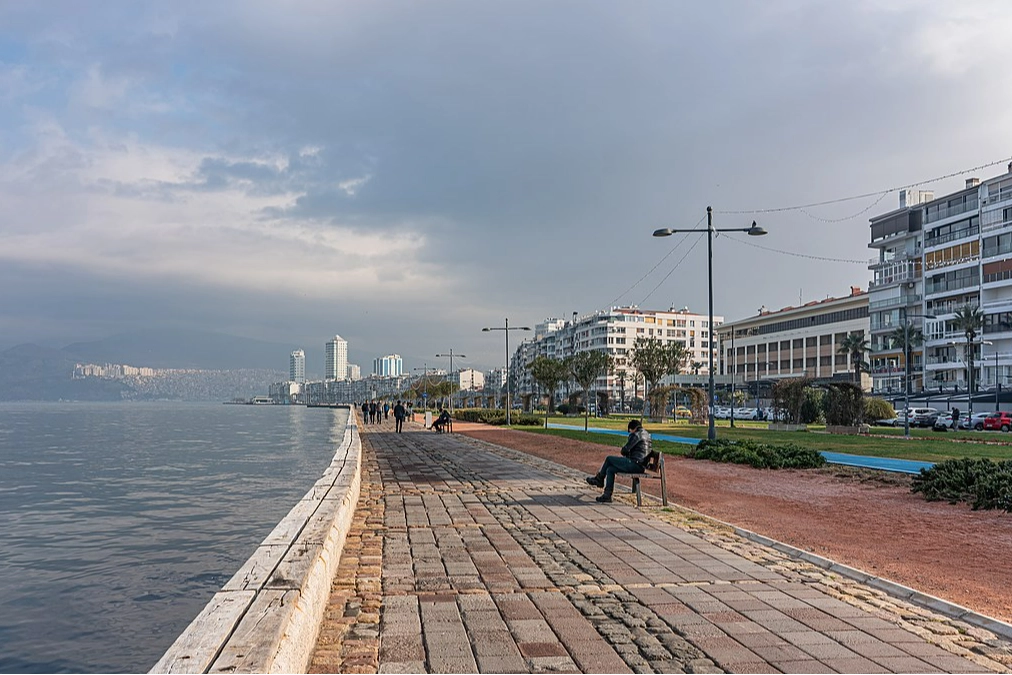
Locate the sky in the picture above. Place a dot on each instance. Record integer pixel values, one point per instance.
(404, 174)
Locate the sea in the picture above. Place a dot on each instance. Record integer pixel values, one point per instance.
(119, 521)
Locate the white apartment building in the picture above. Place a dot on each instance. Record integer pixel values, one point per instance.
(354, 372)
(390, 365)
(960, 249)
(795, 341)
(297, 366)
(336, 359)
(468, 379)
(615, 331)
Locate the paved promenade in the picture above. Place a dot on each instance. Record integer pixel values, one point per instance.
(466, 557)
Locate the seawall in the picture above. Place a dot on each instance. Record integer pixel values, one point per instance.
(265, 619)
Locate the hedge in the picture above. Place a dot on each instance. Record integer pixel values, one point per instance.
(759, 455)
(982, 483)
(498, 417)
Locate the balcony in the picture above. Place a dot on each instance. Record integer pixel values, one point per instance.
(950, 237)
(949, 287)
(902, 301)
(934, 215)
(894, 277)
(892, 258)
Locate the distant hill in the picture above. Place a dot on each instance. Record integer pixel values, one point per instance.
(34, 373)
(183, 349)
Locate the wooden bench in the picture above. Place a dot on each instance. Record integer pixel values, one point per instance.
(654, 470)
(444, 428)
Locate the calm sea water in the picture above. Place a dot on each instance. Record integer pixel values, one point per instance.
(119, 521)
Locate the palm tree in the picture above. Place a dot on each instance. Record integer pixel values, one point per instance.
(549, 373)
(855, 345)
(585, 368)
(969, 320)
(906, 338)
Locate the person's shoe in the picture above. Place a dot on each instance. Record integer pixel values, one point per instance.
(604, 499)
(595, 481)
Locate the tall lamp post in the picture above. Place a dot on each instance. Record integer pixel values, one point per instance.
(753, 231)
(734, 374)
(906, 366)
(451, 355)
(506, 331)
(997, 383)
(968, 361)
(425, 383)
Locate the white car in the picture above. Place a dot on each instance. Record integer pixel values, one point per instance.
(976, 422)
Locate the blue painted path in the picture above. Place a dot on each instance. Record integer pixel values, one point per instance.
(862, 461)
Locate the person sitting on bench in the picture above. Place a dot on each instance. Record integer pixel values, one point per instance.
(441, 422)
(634, 456)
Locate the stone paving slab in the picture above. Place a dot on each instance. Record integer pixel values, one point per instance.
(468, 557)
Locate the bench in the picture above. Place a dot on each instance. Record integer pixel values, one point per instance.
(654, 470)
(446, 428)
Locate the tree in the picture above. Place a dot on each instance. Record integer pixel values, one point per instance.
(696, 365)
(855, 345)
(549, 373)
(899, 339)
(585, 368)
(969, 320)
(655, 360)
(620, 376)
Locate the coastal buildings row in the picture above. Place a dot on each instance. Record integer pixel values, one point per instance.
(615, 331)
(936, 256)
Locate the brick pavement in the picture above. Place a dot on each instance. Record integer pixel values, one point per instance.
(467, 557)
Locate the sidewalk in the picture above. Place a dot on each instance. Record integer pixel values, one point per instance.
(465, 557)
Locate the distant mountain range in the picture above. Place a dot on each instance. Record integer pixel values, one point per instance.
(183, 349)
(31, 372)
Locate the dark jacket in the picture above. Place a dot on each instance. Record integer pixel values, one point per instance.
(637, 448)
(399, 412)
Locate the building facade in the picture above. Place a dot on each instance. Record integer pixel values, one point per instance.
(336, 359)
(297, 366)
(354, 372)
(961, 252)
(615, 331)
(795, 341)
(388, 366)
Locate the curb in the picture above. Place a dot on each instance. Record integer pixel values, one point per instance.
(915, 597)
(266, 618)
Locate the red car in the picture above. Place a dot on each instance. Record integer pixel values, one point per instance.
(998, 421)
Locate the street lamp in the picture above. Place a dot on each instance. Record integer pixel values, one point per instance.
(753, 231)
(996, 385)
(451, 355)
(968, 362)
(506, 331)
(906, 366)
(425, 384)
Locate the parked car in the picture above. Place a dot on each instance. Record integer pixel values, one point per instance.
(922, 417)
(998, 421)
(976, 422)
(682, 411)
(944, 422)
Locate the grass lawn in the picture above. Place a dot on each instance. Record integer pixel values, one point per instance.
(924, 444)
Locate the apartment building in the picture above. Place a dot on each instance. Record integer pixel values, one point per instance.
(795, 341)
(961, 253)
(615, 331)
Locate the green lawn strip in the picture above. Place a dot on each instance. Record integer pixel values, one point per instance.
(927, 447)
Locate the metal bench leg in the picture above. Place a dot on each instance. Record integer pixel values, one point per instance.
(664, 481)
(636, 489)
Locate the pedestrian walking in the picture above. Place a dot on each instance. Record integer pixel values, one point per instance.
(386, 410)
(365, 413)
(399, 415)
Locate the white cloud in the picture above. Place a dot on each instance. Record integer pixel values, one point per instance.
(131, 211)
(352, 186)
(97, 90)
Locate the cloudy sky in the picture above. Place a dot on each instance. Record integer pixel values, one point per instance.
(405, 173)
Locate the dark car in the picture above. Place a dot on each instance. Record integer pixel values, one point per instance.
(998, 421)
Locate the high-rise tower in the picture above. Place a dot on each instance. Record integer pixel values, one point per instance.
(297, 366)
(336, 359)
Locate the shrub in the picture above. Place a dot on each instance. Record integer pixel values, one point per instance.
(844, 404)
(982, 483)
(563, 409)
(497, 417)
(758, 455)
(878, 409)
